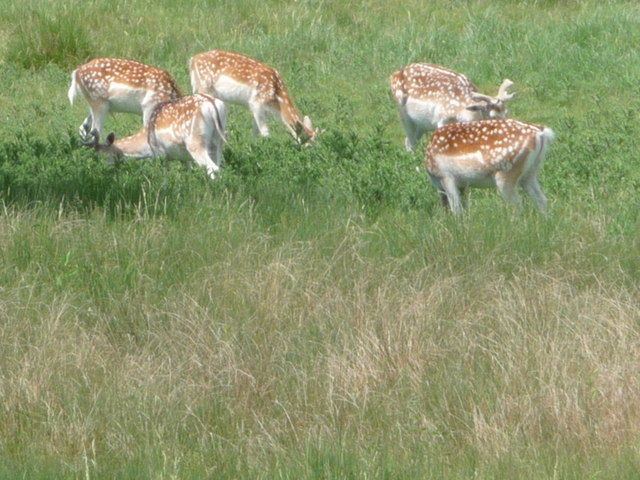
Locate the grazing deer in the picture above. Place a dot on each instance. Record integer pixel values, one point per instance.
(430, 97)
(236, 78)
(120, 85)
(501, 153)
(191, 126)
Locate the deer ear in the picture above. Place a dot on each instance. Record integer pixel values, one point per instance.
(111, 138)
(478, 107)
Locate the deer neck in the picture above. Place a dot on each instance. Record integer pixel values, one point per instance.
(288, 112)
(133, 146)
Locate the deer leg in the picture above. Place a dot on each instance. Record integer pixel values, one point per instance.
(529, 181)
(508, 189)
(85, 126)
(444, 199)
(453, 194)
(98, 115)
(259, 119)
(464, 197)
(212, 134)
(532, 188)
(435, 181)
(215, 152)
(413, 133)
(200, 155)
(147, 111)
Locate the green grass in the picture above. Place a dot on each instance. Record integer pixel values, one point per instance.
(314, 312)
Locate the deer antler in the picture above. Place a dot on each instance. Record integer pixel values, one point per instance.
(502, 91)
(483, 98)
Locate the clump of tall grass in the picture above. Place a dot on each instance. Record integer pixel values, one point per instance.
(308, 348)
(47, 38)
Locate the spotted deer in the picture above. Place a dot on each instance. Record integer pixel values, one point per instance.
(241, 80)
(501, 153)
(429, 97)
(120, 85)
(191, 126)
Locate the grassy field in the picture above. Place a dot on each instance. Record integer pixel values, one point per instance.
(314, 313)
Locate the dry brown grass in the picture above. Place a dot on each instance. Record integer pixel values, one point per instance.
(288, 344)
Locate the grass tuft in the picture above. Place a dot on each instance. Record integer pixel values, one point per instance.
(59, 39)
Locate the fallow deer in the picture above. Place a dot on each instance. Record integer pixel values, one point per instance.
(429, 97)
(120, 85)
(191, 126)
(501, 153)
(236, 78)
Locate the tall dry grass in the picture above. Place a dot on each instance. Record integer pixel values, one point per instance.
(275, 355)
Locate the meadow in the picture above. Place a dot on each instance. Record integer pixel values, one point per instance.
(314, 313)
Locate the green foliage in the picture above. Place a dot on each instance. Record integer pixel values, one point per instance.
(45, 39)
(342, 166)
(63, 173)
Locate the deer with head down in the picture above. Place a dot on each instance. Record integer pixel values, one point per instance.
(238, 79)
(429, 97)
(120, 85)
(502, 153)
(189, 127)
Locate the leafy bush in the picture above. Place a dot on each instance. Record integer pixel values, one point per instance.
(61, 171)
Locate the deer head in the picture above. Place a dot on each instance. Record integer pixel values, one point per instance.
(304, 131)
(493, 107)
(107, 148)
